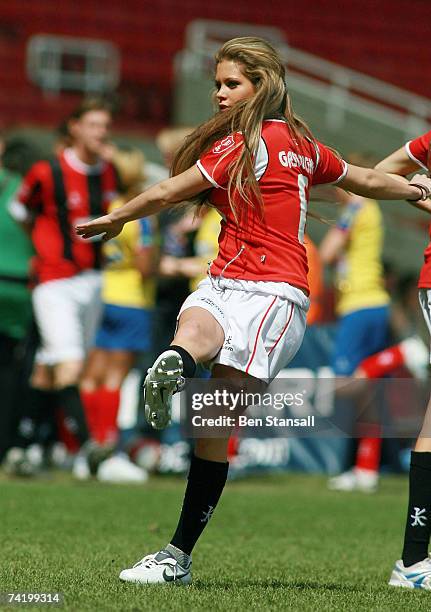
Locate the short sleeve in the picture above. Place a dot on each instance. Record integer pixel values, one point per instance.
(329, 167)
(28, 198)
(419, 150)
(214, 164)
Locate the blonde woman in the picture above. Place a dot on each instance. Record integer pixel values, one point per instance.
(255, 161)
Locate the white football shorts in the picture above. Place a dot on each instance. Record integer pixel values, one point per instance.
(67, 312)
(263, 322)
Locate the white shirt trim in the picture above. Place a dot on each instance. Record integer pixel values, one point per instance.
(412, 157)
(262, 159)
(206, 175)
(316, 146)
(343, 174)
(79, 166)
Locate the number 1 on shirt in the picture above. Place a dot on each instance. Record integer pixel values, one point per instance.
(302, 186)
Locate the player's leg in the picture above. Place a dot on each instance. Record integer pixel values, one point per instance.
(124, 333)
(90, 384)
(75, 308)
(118, 366)
(94, 369)
(360, 334)
(205, 483)
(66, 379)
(208, 472)
(57, 317)
(411, 353)
(264, 353)
(115, 465)
(198, 339)
(413, 570)
(37, 399)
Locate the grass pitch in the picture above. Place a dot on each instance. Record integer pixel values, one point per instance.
(275, 543)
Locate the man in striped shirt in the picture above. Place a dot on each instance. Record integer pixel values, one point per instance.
(56, 195)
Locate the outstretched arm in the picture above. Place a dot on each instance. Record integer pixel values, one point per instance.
(398, 163)
(376, 184)
(158, 197)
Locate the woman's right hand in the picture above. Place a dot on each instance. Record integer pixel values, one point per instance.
(105, 225)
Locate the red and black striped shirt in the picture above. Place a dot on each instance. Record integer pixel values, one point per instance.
(59, 194)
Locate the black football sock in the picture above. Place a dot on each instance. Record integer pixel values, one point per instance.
(35, 412)
(418, 524)
(205, 484)
(189, 364)
(70, 401)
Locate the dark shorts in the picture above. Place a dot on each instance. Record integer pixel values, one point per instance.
(125, 329)
(360, 334)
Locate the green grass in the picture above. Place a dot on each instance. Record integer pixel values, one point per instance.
(275, 543)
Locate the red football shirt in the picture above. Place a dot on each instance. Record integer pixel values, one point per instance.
(271, 249)
(419, 150)
(87, 192)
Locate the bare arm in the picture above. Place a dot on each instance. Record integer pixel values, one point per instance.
(327, 193)
(376, 184)
(158, 197)
(146, 261)
(398, 163)
(335, 240)
(360, 179)
(186, 267)
(332, 245)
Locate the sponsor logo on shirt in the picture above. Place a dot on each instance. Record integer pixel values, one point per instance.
(294, 160)
(224, 145)
(74, 199)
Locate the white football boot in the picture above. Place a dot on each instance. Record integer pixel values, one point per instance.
(417, 576)
(16, 463)
(355, 479)
(159, 568)
(81, 467)
(163, 379)
(120, 470)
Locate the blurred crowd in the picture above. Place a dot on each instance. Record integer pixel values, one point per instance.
(80, 322)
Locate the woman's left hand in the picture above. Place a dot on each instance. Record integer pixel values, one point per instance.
(105, 225)
(424, 181)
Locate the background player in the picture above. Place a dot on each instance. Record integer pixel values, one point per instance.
(413, 570)
(355, 247)
(55, 195)
(125, 330)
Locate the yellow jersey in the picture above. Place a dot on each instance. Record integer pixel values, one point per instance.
(359, 274)
(122, 283)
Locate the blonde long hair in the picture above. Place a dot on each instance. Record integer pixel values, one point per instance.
(262, 65)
